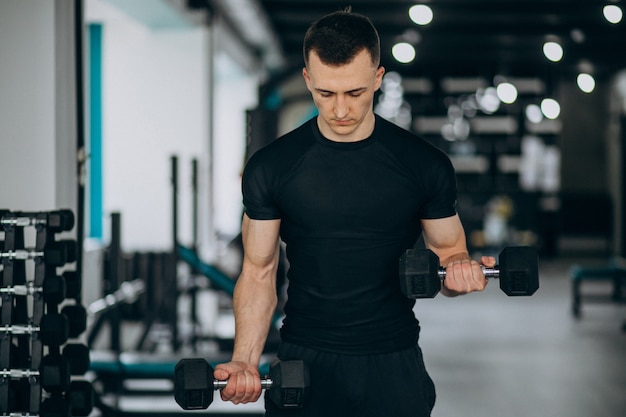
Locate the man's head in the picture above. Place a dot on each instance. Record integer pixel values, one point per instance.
(338, 37)
(342, 73)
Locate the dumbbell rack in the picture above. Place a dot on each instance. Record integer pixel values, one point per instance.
(23, 346)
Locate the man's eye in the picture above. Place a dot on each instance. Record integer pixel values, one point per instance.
(325, 94)
(355, 94)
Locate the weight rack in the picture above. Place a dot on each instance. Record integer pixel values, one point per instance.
(28, 361)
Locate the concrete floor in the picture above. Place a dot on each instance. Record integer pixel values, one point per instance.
(495, 356)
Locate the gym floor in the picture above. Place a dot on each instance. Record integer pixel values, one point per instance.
(495, 356)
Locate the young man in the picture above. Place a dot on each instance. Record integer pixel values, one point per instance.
(348, 192)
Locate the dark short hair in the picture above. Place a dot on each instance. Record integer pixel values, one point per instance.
(338, 37)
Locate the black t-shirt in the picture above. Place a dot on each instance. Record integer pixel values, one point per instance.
(348, 211)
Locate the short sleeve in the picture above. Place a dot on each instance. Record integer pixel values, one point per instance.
(442, 189)
(257, 188)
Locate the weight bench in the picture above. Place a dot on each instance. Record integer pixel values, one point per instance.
(614, 272)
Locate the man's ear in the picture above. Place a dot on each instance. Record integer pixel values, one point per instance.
(307, 78)
(305, 74)
(379, 76)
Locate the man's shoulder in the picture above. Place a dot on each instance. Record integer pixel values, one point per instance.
(291, 141)
(403, 140)
(282, 151)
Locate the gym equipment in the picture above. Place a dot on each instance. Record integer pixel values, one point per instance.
(53, 330)
(55, 221)
(81, 397)
(78, 357)
(127, 293)
(57, 253)
(287, 384)
(77, 401)
(53, 289)
(76, 319)
(614, 272)
(54, 373)
(518, 271)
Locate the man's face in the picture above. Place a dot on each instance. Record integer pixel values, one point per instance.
(344, 96)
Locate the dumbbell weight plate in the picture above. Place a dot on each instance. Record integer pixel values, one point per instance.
(193, 380)
(519, 271)
(416, 277)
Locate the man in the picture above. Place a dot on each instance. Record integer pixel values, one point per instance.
(348, 192)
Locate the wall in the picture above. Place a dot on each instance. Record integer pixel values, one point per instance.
(155, 84)
(583, 140)
(173, 89)
(28, 118)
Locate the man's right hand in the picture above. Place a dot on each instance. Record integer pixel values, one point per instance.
(244, 382)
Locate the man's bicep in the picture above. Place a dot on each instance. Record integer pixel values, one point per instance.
(260, 241)
(444, 236)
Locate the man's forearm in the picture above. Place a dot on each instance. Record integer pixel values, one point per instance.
(254, 305)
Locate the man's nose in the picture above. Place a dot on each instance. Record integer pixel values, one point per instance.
(341, 106)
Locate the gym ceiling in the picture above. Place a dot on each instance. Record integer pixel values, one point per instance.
(466, 38)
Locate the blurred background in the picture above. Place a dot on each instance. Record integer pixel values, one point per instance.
(139, 115)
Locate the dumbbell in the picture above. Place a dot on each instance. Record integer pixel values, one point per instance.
(54, 373)
(77, 319)
(78, 356)
(55, 221)
(57, 253)
(287, 384)
(73, 285)
(53, 289)
(53, 329)
(127, 293)
(518, 272)
(77, 401)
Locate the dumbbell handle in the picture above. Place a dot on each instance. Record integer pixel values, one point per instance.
(22, 254)
(22, 221)
(28, 289)
(266, 383)
(19, 329)
(489, 272)
(19, 373)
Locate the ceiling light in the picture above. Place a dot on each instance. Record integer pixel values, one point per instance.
(612, 13)
(577, 35)
(553, 51)
(488, 100)
(585, 82)
(533, 113)
(421, 14)
(403, 52)
(550, 108)
(507, 93)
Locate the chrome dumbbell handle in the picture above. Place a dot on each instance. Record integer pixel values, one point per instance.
(266, 383)
(489, 272)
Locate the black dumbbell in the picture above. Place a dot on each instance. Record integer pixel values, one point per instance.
(54, 373)
(55, 221)
(53, 329)
(82, 397)
(53, 289)
(78, 357)
(57, 253)
(518, 272)
(287, 384)
(73, 285)
(76, 317)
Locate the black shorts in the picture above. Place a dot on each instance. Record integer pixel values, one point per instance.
(391, 384)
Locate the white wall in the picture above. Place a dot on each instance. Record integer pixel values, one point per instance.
(156, 102)
(27, 105)
(235, 92)
(157, 86)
